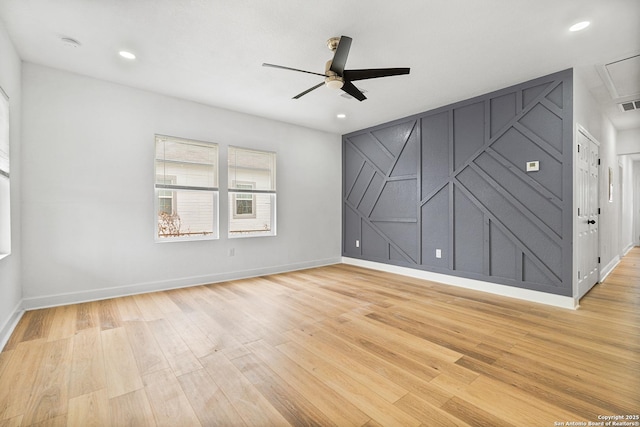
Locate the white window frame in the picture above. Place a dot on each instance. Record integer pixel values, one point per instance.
(244, 185)
(176, 187)
(5, 177)
(233, 192)
(173, 195)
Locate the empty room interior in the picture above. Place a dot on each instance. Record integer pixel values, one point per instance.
(246, 213)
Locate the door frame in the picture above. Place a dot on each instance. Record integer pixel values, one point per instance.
(580, 129)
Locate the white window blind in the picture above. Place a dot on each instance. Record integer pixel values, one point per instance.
(252, 192)
(186, 189)
(4, 134)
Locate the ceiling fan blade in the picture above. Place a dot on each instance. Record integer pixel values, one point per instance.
(308, 90)
(340, 57)
(353, 91)
(373, 73)
(292, 69)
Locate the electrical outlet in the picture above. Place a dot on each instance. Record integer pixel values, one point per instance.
(232, 251)
(357, 243)
(438, 253)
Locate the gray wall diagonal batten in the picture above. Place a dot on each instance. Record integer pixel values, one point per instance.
(405, 164)
(374, 246)
(394, 138)
(556, 96)
(397, 200)
(373, 151)
(530, 182)
(477, 207)
(521, 107)
(517, 222)
(518, 149)
(542, 144)
(521, 248)
(495, 185)
(540, 206)
(371, 195)
(353, 165)
(360, 186)
(530, 94)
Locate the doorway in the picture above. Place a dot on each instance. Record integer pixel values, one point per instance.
(587, 161)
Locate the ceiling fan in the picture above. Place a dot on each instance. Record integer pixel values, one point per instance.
(336, 77)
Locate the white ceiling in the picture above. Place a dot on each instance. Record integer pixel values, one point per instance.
(211, 51)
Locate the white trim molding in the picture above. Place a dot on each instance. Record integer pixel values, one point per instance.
(628, 248)
(10, 324)
(478, 285)
(35, 303)
(604, 271)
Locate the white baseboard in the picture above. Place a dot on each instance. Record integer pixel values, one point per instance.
(34, 303)
(478, 285)
(604, 271)
(626, 250)
(10, 324)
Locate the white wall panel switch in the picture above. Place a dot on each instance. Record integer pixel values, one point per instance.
(357, 243)
(438, 253)
(533, 166)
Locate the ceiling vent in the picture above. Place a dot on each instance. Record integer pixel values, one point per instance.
(346, 95)
(629, 106)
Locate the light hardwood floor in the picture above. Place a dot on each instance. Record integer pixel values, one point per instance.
(337, 345)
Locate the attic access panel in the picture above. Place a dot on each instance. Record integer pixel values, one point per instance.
(624, 77)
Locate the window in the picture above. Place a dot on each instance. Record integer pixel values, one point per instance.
(252, 193)
(244, 203)
(186, 189)
(166, 198)
(5, 190)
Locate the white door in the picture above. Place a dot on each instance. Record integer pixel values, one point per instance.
(587, 195)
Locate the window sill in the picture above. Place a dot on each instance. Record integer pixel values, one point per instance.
(186, 239)
(245, 235)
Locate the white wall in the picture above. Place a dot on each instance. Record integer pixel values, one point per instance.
(636, 202)
(88, 214)
(588, 114)
(627, 239)
(10, 289)
(629, 141)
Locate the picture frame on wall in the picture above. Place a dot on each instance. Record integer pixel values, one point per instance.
(610, 185)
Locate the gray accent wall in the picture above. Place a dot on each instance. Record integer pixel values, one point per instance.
(453, 182)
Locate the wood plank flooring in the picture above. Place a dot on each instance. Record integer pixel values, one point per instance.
(330, 346)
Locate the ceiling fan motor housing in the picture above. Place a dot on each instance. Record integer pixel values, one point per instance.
(332, 43)
(333, 80)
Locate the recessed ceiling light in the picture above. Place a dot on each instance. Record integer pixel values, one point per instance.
(341, 116)
(69, 42)
(579, 26)
(126, 54)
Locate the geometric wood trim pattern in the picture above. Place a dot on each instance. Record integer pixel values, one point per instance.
(448, 190)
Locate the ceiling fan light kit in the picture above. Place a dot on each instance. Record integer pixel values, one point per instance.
(333, 80)
(336, 77)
